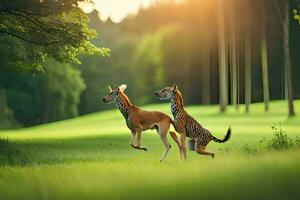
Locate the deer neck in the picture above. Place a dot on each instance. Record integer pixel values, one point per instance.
(123, 104)
(176, 104)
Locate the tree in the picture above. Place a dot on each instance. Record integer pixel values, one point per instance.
(205, 76)
(60, 98)
(204, 45)
(32, 30)
(247, 59)
(148, 60)
(99, 72)
(44, 97)
(287, 58)
(222, 58)
(233, 56)
(264, 58)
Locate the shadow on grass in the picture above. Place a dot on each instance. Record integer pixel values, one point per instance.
(64, 151)
(36, 152)
(115, 148)
(11, 153)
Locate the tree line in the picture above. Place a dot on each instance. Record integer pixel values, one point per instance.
(225, 52)
(218, 52)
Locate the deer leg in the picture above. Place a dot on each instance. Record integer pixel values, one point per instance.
(183, 145)
(163, 130)
(132, 136)
(139, 138)
(174, 136)
(201, 150)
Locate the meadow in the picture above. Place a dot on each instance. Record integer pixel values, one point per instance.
(89, 157)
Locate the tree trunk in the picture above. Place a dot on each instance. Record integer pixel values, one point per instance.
(233, 58)
(205, 76)
(264, 60)
(247, 64)
(287, 60)
(238, 70)
(238, 48)
(223, 94)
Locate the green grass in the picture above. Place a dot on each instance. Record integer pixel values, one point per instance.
(89, 157)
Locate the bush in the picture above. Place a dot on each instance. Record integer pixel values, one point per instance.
(10, 153)
(280, 140)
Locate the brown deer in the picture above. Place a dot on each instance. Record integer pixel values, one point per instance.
(138, 120)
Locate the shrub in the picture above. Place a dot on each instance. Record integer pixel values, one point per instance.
(10, 153)
(280, 140)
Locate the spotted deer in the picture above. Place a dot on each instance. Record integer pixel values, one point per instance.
(186, 125)
(138, 120)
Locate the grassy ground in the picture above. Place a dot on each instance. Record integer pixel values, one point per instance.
(89, 157)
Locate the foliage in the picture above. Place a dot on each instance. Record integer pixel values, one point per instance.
(164, 44)
(100, 72)
(32, 30)
(170, 43)
(63, 87)
(183, 52)
(43, 97)
(10, 153)
(280, 140)
(296, 13)
(148, 60)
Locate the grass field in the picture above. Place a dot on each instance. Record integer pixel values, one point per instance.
(89, 157)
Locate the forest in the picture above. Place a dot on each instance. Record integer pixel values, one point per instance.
(217, 54)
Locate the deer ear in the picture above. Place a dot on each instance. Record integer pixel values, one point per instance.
(123, 87)
(175, 88)
(109, 88)
(117, 87)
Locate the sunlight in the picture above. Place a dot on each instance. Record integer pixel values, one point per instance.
(117, 10)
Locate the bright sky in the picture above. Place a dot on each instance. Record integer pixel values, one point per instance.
(117, 10)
